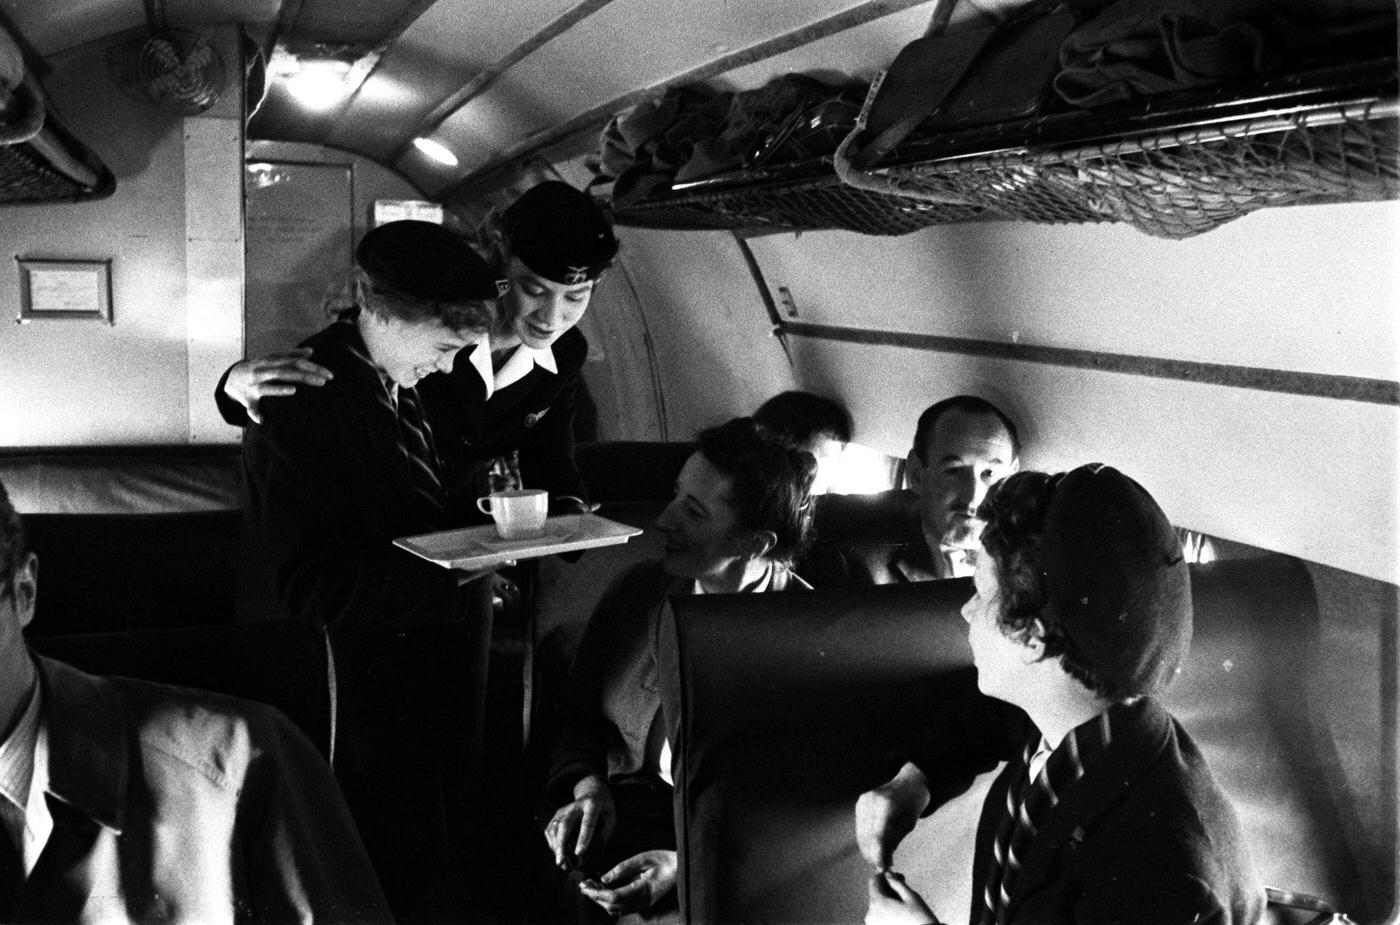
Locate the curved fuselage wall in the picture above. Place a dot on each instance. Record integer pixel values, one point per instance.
(1207, 367)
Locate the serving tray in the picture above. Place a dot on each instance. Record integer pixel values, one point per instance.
(481, 547)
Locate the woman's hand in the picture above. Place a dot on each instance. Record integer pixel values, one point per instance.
(584, 824)
(250, 381)
(892, 902)
(636, 884)
(888, 813)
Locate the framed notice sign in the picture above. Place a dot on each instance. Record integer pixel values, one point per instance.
(65, 289)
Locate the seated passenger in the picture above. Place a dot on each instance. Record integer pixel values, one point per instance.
(741, 512)
(1106, 811)
(962, 446)
(811, 422)
(336, 473)
(127, 801)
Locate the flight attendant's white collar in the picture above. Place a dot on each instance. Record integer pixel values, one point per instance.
(517, 365)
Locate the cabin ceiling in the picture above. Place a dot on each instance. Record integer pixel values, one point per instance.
(498, 82)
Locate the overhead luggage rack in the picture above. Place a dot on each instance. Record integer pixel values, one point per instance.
(40, 160)
(792, 197)
(1170, 166)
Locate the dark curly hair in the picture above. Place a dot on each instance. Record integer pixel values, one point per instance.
(14, 543)
(1014, 512)
(798, 418)
(770, 482)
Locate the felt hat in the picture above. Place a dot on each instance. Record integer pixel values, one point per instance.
(559, 232)
(425, 261)
(1114, 569)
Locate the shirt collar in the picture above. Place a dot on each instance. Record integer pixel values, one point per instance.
(776, 577)
(522, 359)
(17, 754)
(24, 780)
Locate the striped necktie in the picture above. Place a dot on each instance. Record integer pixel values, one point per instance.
(1028, 803)
(415, 436)
(417, 446)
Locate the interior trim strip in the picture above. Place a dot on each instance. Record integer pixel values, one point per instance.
(1320, 385)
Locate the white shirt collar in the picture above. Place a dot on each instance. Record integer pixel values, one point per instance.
(24, 781)
(521, 360)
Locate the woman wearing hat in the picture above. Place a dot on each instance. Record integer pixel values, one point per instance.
(1107, 811)
(510, 403)
(336, 473)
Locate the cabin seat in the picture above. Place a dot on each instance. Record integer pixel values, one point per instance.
(633, 481)
(137, 537)
(285, 664)
(783, 710)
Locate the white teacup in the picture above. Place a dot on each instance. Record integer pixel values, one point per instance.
(518, 513)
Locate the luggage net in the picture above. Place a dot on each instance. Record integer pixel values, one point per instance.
(799, 205)
(1170, 168)
(1179, 183)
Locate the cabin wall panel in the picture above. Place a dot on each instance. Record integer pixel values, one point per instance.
(1310, 289)
(76, 382)
(714, 353)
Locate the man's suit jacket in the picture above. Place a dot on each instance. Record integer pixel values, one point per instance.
(1146, 835)
(328, 490)
(184, 806)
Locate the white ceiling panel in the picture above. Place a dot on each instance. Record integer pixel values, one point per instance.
(857, 52)
(473, 34)
(643, 43)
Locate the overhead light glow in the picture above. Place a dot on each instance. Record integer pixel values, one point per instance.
(436, 150)
(319, 85)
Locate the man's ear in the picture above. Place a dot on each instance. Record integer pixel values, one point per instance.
(914, 472)
(759, 542)
(26, 588)
(1015, 464)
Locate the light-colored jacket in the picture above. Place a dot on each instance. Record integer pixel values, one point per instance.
(173, 805)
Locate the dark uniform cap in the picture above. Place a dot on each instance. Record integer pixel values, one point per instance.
(1113, 566)
(559, 232)
(425, 261)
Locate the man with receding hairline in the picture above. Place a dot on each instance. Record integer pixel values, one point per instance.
(962, 446)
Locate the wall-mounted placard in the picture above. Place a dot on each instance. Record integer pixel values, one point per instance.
(64, 289)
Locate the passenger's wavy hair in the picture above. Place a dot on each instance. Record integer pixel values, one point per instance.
(14, 543)
(798, 418)
(470, 315)
(1014, 512)
(770, 482)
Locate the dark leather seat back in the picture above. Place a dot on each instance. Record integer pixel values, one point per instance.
(130, 538)
(785, 708)
(284, 664)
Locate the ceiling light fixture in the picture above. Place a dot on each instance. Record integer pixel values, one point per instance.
(436, 150)
(319, 85)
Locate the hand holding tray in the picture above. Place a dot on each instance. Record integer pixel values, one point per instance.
(474, 548)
